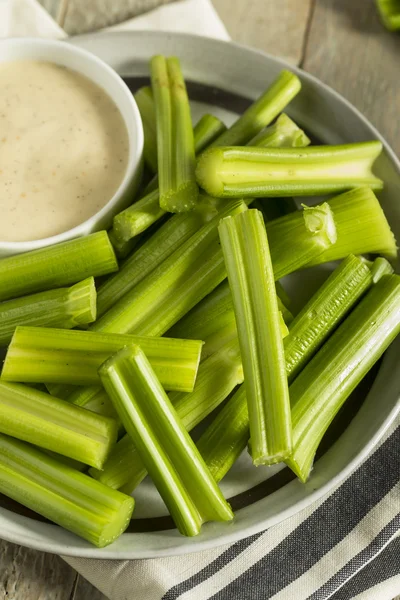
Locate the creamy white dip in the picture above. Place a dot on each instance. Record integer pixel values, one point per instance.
(63, 149)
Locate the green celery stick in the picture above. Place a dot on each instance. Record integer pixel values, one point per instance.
(174, 287)
(262, 112)
(167, 450)
(175, 142)
(170, 236)
(145, 102)
(46, 421)
(218, 376)
(284, 133)
(328, 306)
(226, 437)
(361, 227)
(56, 266)
(73, 357)
(251, 279)
(140, 216)
(146, 211)
(206, 130)
(64, 308)
(379, 268)
(236, 172)
(213, 320)
(122, 249)
(389, 11)
(311, 232)
(69, 498)
(329, 378)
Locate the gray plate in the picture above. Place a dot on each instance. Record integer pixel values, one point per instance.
(223, 78)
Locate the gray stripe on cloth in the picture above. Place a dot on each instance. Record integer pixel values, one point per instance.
(378, 570)
(318, 534)
(359, 561)
(213, 567)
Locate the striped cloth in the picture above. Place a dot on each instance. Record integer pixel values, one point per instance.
(343, 547)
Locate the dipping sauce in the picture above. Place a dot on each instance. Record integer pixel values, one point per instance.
(63, 149)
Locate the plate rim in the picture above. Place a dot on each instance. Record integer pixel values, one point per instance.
(230, 537)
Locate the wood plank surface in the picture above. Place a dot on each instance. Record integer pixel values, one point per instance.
(349, 49)
(275, 26)
(27, 574)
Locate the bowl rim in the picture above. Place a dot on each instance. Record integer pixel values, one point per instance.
(229, 537)
(135, 151)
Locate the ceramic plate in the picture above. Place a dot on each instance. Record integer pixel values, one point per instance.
(223, 78)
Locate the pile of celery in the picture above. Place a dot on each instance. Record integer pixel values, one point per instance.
(114, 373)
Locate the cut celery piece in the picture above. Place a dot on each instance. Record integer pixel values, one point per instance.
(46, 421)
(343, 288)
(251, 279)
(69, 498)
(64, 308)
(56, 266)
(326, 382)
(226, 437)
(159, 246)
(145, 103)
(218, 376)
(262, 112)
(73, 357)
(311, 232)
(361, 227)
(236, 172)
(206, 130)
(174, 287)
(168, 452)
(284, 133)
(175, 142)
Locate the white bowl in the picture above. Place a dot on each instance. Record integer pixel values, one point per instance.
(222, 78)
(106, 78)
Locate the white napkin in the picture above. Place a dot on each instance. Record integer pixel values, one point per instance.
(20, 18)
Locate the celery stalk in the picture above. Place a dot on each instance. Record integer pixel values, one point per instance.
(69, 498)
(361, 227)
(168, 452)
(311, 232)
(56, 425)
(262, 112)
(56, 266)
(326, 382)
(206, 130)
(324, 311)
(174, 287)
(224, 440)
(73, 357)
(284, 133)
(145, 103)
(389, 11)
(146, 211)
(234, 172)
(213, 320)
(64, 308)
(218, 376)
(121, 248)
(379, 268)
(175, 142)
(251, 279)
(170, 236)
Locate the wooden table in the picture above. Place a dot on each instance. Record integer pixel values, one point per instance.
(342, 43)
